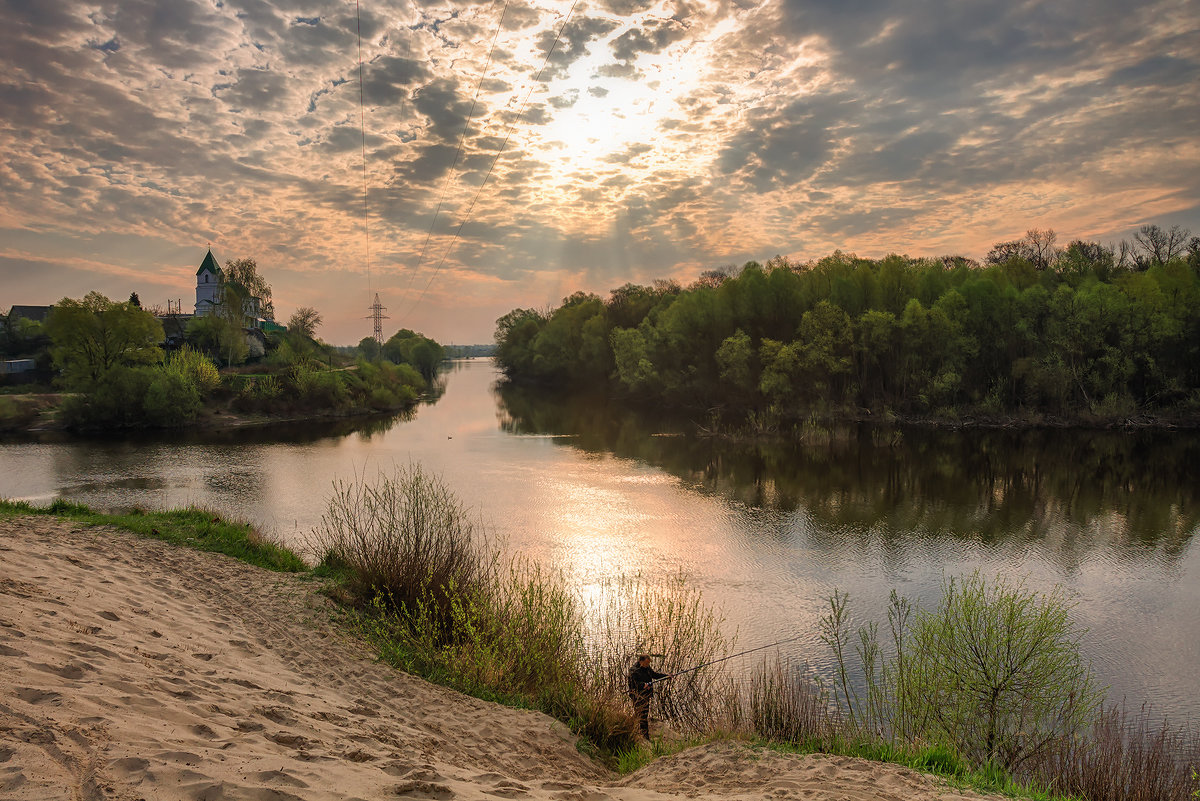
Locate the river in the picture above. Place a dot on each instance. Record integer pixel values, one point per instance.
(767, 532)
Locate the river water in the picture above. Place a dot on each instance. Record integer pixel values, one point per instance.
(767, 532)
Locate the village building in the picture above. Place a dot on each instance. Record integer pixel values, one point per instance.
(210, 295)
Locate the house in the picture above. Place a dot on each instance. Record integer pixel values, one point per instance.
(37, 314)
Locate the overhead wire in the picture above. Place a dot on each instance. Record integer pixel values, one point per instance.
(467, 216)
(458, 153)
(362, 125)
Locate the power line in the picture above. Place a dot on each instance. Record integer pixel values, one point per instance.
(511, 127)
(458, 153)
(362, 125)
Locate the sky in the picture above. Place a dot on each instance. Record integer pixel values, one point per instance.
(508, 154)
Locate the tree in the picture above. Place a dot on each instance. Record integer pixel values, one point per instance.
(218, 336)
(1040, 246)
(243, 281)
(735, 359)
(1036, 247)
(1161, 246)
(135, 300)
(996, 670)
(369, 348)
(409, 347)
(90, 336)
(305, 321)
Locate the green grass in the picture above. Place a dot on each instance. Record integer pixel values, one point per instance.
(192, 528)
(938, 760)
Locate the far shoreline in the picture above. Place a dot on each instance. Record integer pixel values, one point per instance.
(45, 425)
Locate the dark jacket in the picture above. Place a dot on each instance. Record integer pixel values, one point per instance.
(640, 679)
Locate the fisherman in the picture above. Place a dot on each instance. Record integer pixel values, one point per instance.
(641, 689)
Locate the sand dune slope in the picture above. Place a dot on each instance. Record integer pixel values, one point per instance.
(130, 669)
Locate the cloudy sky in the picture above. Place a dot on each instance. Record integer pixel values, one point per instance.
(651, 139)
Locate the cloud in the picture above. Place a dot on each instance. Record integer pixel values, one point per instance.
(784, 126)
(653, 37)
(563, 47)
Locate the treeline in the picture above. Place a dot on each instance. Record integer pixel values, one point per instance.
(1082, 331)
(110, 357)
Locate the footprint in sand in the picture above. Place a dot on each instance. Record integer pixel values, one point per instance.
(34, 697)
(276, 777)
(438, 792)
(71, 670)
(108, 615)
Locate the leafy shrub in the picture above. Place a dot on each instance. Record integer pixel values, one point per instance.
(997, 671)
(382, 398)
(316, 389)
(170, 400)
(116, 398)
(195, 368)
(133, 397)
(994, 671)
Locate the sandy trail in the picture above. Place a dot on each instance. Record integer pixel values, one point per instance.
(132, 669)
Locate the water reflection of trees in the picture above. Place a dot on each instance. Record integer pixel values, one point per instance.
(1070, 491)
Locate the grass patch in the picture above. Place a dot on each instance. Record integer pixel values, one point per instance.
(193, 528)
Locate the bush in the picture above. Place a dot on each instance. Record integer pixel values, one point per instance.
(317, 389)
(440, 600)
(195, 368)
(170, 400)
(133, 397)
(1123, 757)
(995, 671)
(407, 539)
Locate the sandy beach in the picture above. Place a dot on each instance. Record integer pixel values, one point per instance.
(132, 669)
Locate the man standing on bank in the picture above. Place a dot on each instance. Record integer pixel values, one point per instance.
(641, 690)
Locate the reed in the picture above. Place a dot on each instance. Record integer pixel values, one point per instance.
(1124, 757)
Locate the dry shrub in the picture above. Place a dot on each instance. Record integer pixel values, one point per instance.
(407, 539)
(785, 705)
(671, 622)
(1124, 758)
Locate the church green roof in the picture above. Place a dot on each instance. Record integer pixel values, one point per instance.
(209, 264)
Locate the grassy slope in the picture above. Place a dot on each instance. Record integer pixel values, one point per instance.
(194, 528)
(203, 530)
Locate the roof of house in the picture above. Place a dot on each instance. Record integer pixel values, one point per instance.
(209, 264)
(36, 313)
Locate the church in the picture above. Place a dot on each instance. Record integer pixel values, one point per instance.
(210, 281)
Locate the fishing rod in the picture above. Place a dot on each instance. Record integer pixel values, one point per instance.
(731, 656)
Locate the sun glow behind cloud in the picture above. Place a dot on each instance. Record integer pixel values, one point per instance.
(664, 137)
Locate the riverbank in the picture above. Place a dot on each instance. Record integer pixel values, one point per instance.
(133, 668)
(37, 415)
